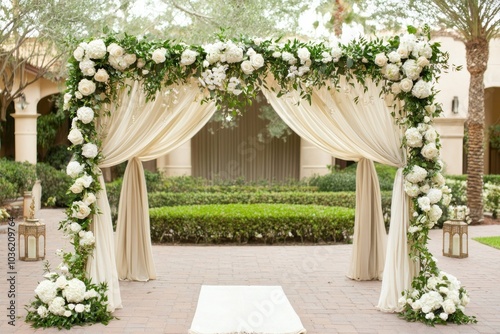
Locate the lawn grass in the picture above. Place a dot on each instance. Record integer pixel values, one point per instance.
(490, 241)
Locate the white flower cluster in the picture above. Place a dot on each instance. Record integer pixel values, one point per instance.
(63, 297)
(459, 212)
(119, 59)
(441, 297)
(404, 66)
(424, 136)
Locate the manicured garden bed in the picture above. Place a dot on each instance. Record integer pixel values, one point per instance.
(251, 223)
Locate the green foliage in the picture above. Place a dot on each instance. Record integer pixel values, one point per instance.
(7, 190)
(345, 180)
(22, 175)
(55, 185)
(490, 241)
(491, 197)
(255, 223)
(58, 157)
(343, 199)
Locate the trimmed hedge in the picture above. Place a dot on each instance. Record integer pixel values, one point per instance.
(55, 184)
(256, 223)
(342, 199)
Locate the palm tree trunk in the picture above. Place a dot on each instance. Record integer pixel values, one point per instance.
(477, 58)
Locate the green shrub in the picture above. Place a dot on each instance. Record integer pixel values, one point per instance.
(55, 184)
(343, 199)
(113, 190)
(259, 223)
(21, 175)
(7, 191)
(58, 157)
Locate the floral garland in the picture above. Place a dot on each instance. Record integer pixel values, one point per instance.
(233, 71)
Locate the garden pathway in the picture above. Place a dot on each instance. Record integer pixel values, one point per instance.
(313, 278)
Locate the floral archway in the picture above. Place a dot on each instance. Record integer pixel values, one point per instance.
(136, 99)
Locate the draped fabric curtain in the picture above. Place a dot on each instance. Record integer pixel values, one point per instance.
(359, 131)
(138, 129)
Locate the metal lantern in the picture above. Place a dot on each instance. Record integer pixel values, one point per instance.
(455, 239)
(32, 238)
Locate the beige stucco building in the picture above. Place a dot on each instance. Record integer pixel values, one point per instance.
(244, 153)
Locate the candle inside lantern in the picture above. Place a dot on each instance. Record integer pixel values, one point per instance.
(456, 245)
(31, 247)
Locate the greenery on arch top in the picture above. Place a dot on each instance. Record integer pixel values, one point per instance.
(231, 72)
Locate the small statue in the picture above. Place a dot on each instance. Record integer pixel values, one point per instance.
(32, 210)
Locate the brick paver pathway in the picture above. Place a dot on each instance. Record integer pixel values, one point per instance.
(313, 278)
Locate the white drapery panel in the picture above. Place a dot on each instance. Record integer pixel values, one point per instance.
(137, 128)
(355, 131)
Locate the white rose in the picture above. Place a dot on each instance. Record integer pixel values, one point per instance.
(80, 210)
(257, 61)
(276, 54)
(422, 62)
(288, 57)
(89, 198)
(159, 55)
(130, 58)
(75, 228)
(86, 238)
(465, 299)
(79, 53)
(85, 180)
(430, 151)
(438, 179)
(115, 50)
(426, 51)
(91, 294)
(89, 150)
(85, 114)
(427, 119)
(336, 53)
(74, 169)
(391, 72)
(429, 316)
(403, 51)
(87, 67)
(75, 136)
(443, 316)
(96, 49)
(394, 57)
(303, 54)
(79, 308)
(406, 85)
(396, 88)
(381, 59)
(78, 95)
(431, 109)
(67, 98)
(76, 187)
(71, 306)
(86, 87)
(425, 188)
(421, 89)
(449, 306)
(141, 63)
(414, 229)
(246, 67)
(101, 75)
(188, 57)
(431, 134)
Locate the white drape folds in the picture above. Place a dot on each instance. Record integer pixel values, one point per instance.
(355, 131)
(137, 129)
(399, 269)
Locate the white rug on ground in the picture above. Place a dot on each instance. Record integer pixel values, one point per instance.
(244, 309)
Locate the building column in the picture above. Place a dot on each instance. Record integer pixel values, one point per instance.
(177, 162)
(313, 161)
(25, 136)
(451, 130)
